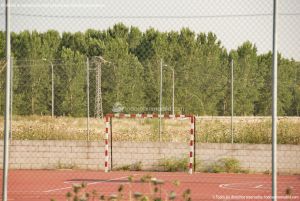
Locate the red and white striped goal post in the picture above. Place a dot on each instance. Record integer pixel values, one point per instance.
(108, 117)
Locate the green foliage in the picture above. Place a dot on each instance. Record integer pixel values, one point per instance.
(71, 78)
(61, 165)
(123, 168)
(173, 164)
(137, 166)
(229, 165)
(200, 62)
(2, 45)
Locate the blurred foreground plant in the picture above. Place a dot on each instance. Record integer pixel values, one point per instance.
(155, 192)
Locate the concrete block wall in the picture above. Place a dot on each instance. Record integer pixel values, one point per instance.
(90, 155)
(254, 157)
(149, 153)
(44, 154)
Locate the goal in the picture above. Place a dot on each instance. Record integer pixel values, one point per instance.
(108, 129)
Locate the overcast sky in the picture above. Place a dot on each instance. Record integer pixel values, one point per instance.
(234, 21)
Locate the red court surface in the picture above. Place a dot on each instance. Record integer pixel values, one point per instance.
(28, 185)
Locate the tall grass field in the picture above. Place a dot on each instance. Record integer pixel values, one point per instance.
(208, 130)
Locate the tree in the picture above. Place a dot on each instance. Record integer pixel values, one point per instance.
(31, 75)
(201, 65)
(247, 81)
(50, 44)
(71, 79)
(2, 71)
(295, 107)
(264, 106)
(287, 86)
(134, 39)
(2, 44)
(122, 80)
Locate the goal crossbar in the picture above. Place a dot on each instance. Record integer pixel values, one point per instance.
(109, 117)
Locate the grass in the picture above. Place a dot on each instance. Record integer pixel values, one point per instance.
(47, 128)
(138, 166)
(228, 165)
(63, 166)
(253, 131)
(223, 165)
(173, 164)
(214, 130)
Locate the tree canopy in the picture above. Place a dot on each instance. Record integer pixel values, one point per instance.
(202, 68)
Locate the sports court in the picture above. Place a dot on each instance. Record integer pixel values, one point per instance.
(150, 100)
(43, 185)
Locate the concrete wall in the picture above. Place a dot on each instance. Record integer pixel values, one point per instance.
(90, 155)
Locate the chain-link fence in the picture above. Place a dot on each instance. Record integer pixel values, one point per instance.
(73, 63)
(46, 92)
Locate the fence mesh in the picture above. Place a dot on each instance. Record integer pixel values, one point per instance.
(73, 63)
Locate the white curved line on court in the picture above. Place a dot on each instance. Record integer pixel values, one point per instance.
(88, 184)
(256, 186)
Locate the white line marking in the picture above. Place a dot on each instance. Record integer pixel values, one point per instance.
(250, 186)
(25, 192)
(71, 182)
(223, 185)
(77, 182)
(239, 186)
(92, 183)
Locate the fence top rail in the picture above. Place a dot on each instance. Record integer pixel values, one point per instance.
(122, 115)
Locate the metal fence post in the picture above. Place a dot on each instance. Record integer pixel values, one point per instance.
(232, 101)
(11, 94)
(88, 98)
(7, 104)
(160, 98)
(274, 105)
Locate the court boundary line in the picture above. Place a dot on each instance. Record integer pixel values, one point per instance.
(88, 184)
(258, 186)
